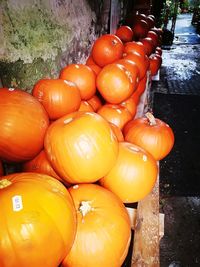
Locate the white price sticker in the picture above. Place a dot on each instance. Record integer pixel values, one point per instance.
(17, 203)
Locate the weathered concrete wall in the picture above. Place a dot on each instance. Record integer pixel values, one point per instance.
(39, 37)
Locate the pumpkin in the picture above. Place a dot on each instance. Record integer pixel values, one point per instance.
(155, 63)
(136, 97)
(115, 83)
(95, 102)
(117, 131)
(142, 85)
(150, 21)
(140, 29)
(59, 97)
(40, 164)
(116, 114)
(134, 46)
(83, 76)
(38, 220)
(85, 106)
(134, 174)
(81, 147)
(90, 60)
(133, 69)
(131, 105)
(107, 49)
(140, 61)
(158, 50)
(152, 134)
(149, 45)
(103, 228)
(125, 33)
(24, 122)
(154, 37)
(96, 69)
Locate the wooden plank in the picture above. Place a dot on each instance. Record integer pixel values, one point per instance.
(133, 217)
(146, 234)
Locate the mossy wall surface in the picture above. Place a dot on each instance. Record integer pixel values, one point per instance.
(38, 38)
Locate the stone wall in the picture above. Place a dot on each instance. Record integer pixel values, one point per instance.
(39, 37)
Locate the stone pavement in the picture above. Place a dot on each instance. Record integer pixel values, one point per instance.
(180, 74)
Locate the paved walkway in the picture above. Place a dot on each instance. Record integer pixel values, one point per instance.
(180, 74)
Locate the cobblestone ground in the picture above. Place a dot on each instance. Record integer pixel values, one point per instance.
(180, 74)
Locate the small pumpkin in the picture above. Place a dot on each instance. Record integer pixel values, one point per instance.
(59, 97)
(134, 174)
(107, 49)
(116, 114)
(83, 76)
(103, 228)
(115, 83)
(152, 134)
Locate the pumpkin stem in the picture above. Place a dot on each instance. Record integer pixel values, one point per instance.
(4, 183)
(151, 118)
(85, 207)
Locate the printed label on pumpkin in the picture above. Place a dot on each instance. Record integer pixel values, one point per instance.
(17, 203)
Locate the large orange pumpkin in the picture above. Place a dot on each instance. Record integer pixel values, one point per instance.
(81, 147)
(133, 175)
(152, 134)
(107, 49)
(83, 76)
(38, 221)
(103, 228)
(24, 122)
(59, 97)
(115, 83)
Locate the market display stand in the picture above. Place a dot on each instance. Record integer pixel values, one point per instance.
(147, 222)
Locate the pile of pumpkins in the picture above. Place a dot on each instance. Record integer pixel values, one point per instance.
(83, 155)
